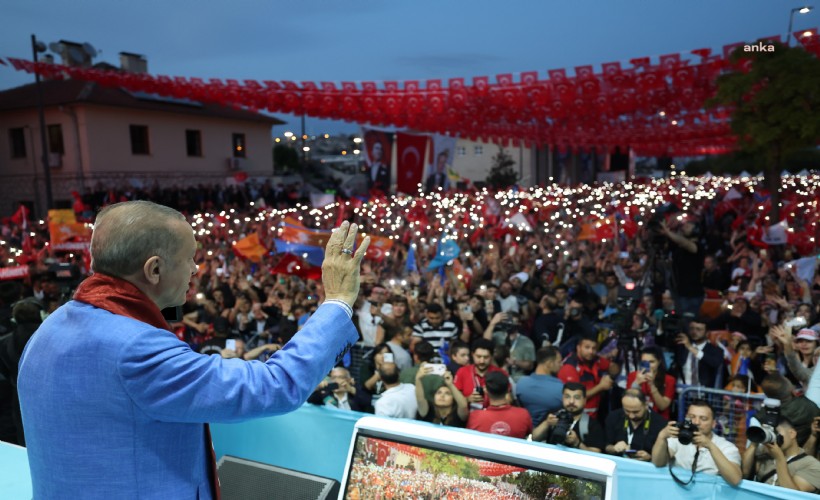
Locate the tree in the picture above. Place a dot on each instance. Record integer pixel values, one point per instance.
(285, 158)
(502, 175)
(775, 96)
(439, 462)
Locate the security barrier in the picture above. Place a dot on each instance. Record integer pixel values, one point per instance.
(732, 410)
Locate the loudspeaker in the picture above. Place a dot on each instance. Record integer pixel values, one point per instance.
(242, 479)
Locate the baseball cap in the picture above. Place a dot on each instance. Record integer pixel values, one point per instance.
(522, 276)
(806, 334)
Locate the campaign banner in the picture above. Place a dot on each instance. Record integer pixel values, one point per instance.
(62, 216)
(77, 246)
(444, 148)
(378, 154)
(69, 236)
(13, 273)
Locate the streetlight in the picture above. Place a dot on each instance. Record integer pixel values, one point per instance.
(37, 47)
(803, 10)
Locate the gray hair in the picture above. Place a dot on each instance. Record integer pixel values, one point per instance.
(128, 234)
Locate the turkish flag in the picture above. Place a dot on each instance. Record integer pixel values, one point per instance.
(379, 246)
(291, 264)
(410, 162)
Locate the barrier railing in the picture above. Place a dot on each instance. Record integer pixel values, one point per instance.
(732, 410)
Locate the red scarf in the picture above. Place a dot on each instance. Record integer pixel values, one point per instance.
(120, 297)
(123, 298)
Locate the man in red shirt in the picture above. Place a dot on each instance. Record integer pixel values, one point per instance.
(586, 367)
(500, 417)
(470, 379)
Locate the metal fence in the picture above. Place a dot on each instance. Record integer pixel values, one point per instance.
(732, 410)
(357, 352)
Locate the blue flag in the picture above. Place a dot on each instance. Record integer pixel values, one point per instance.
(447, 251)
(411, 265)
(315, 255)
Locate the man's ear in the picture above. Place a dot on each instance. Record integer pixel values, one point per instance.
(151, 270)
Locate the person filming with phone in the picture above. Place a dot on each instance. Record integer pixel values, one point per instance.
(447, 406)
(138, 414)
(470, 379)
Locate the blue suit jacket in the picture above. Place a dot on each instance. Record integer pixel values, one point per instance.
(115, 408)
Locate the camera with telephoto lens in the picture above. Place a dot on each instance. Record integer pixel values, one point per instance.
(687, 432)
(765, 433)
(561, 429)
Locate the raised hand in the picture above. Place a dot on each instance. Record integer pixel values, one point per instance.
(341, 267)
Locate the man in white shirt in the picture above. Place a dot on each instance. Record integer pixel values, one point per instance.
(708, 452)
(399, 400)
(508, 300)
(400, 339)
(370, 315)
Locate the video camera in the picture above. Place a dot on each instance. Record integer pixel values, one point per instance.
(66, 277)
(765, 433)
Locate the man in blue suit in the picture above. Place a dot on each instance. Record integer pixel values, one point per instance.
(115, 406)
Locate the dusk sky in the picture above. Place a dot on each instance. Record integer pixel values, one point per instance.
(378, 40)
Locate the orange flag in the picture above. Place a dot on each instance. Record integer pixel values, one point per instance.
(250, 248)
(69, 236)
(303, 236)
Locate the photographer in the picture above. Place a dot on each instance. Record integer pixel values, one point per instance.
(698, 361)
(571, 426)
(338, 391)
(631, 430)
(693, 446)
(783, 463)
(504, 329)
(687, 265)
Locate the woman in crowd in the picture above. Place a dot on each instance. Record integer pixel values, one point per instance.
(369, 372)
(449, 407)
(400, 315)
(651, 378)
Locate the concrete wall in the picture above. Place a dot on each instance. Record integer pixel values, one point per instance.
(97, 148)
(476, 165)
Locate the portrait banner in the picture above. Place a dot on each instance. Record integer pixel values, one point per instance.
(378, 152)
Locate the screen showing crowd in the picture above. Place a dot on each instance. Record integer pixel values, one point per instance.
(389, 469)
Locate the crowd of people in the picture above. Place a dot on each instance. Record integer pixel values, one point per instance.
(572, 315)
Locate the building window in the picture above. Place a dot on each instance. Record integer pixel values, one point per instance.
(478, 150)
(55, 139)
(461, 151)
(193, 142)
(17, 139)
(139, 140)
(238, 145)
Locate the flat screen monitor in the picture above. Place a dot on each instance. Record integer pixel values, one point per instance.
(405, 459)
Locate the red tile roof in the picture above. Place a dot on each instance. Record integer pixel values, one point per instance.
(60, 92)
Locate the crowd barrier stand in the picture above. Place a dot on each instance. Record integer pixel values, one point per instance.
(316, 440)
(732, 410)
